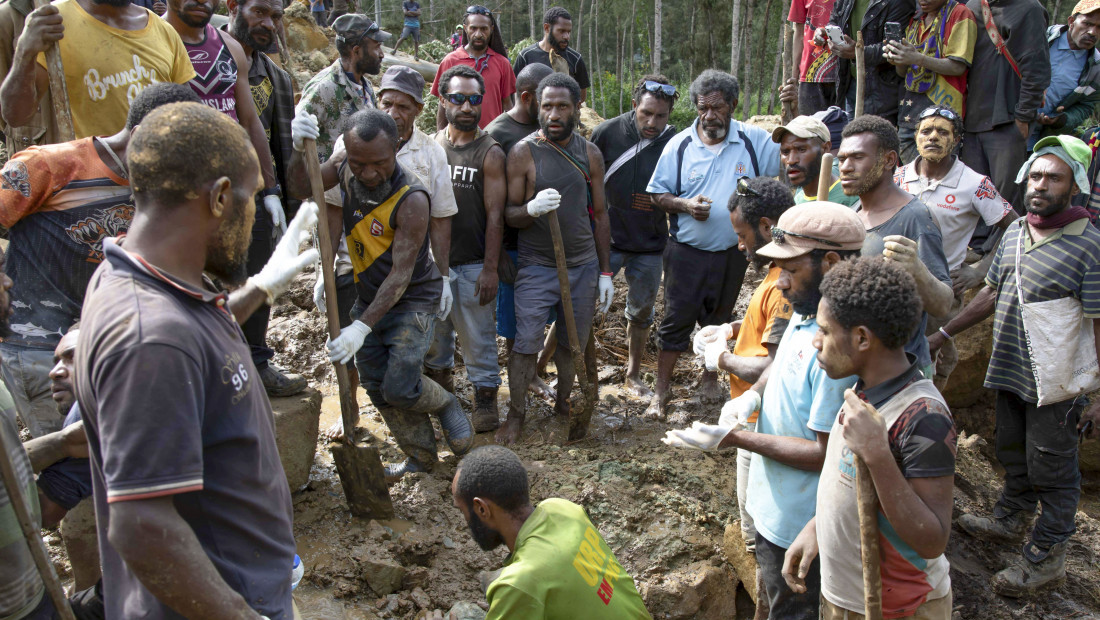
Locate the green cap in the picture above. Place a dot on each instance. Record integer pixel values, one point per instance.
(1074, 147)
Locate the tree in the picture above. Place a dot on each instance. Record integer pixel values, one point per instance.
(657, 34)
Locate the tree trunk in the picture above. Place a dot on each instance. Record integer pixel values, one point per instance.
(545, 6)
(621, 46)
(531, 14)
(783, 38)
(578, 28)
(657, 33)
(735, 36)
(760, 72)
(377, 11)
(691, 41)
(633, 25)
(746, 83)
(594, 52)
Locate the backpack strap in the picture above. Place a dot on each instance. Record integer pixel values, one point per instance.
(752, 152)
(680, 163)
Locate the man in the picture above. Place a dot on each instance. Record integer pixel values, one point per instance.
(553, 168)
(1036, 444)
(385, 216)
(103, 74)
(701, 166)
(934, 59)
(867, 311)
(817, 65)
(959, 200)
(631, 144)
(559, 566)
(899, 227)
(484, 51)
(178, 494)
(411, 30)
(1015, 71)
(802, 144)
(554, 51)
(42, 127)
(1072, 95)
(222, 83)
(869, 18)
(59, 202)
(480, 187)
(342, 89)
(753, 212)
(798, 407)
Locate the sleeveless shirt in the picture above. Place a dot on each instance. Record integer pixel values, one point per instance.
(552, 169)
(466, 164)
(215, 80)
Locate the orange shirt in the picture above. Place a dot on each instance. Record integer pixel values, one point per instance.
(764, 323)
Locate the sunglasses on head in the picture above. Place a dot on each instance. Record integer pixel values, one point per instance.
(657, 87)
(744, 189)
(459, 99)
(371, 29)
(779, 237)
(477, 9)
(944, 112)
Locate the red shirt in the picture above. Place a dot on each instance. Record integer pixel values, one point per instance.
(500, 82)
(817, 64)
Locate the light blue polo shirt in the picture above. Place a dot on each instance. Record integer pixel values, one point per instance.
(799, 400)
(714, 175)
(1066, 66)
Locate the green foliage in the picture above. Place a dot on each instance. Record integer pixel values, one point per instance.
(519, 46)
(426, 121)
(434, 50)
(605, 100)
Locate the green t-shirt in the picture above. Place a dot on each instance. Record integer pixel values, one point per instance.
(858, 11)
(836, 194)
(563, 570)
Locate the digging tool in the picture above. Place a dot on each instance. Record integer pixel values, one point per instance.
(861, 74)
(788, 45)
(824, 175)
(578, 420)
(359, 467)
(867, 504)
(59, 94)
(31, 534)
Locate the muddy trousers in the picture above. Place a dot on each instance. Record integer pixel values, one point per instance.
(26, 373)
(259, 251)
(784, 603)
(1037, 446)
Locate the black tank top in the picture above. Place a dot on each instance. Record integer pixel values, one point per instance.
(552, 169)
(466, 164)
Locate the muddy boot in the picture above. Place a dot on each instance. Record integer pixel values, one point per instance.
(395, 471)
(414, 436)
(445, 377)
(445, 406)
(1005, 529)
(279, 384)
(486, 415)
(1035, 570)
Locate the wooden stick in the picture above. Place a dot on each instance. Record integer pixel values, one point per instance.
(31, 533)
(360, 467)
(59, 93)
(861, 74)
(788, 45)
(824, 176)
(867, 502)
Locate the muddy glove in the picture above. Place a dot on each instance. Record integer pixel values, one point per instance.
(737, 411)
(274, 207)
(699, 437)
(303, 126)
(712, 353)
(446, 300)
(350, 340)
(709, 334)
(285, 261)
(544, 202)
(319, 293)
(607, 292)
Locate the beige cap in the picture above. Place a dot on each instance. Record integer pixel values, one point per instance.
(814, 226)
(803, 127)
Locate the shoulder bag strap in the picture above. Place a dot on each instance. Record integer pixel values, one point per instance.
(995, 36)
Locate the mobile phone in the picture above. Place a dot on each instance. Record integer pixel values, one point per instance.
(835, 34)
(893, 31)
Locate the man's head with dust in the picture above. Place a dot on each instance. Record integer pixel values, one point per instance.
(754, 208)
(868, 154)
(193, 165)
(938, 134)
(490, 488)
(371, 143)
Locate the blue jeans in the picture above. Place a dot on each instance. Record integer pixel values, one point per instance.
(643, 280)
(26, 372)
(474, 325)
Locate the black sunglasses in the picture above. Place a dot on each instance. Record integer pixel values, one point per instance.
(459, 99)
(947, 113)
(477, 9)
(371, 29)
(779, 237)
(657, 87)
(744, 189)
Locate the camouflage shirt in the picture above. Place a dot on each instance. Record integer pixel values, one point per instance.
(332, 97)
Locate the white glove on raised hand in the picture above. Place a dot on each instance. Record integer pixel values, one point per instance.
(350, 340)
(274, 206)
(285, 261)
(303, 126)
(699, 437)
(544, 202)
(709, 334)
(607, 292)
(446, 300)
(735, 412)
(319, 293)
(712, 353)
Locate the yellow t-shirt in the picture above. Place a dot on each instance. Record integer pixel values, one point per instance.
(105, 68)
(764, 323)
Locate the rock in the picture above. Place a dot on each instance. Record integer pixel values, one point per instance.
(82, 544)
(964, 387)
(464, 610)
(296, 423)
(415, 577)
(743, 562)
(317, 60)
(487, 577)
(302, 33)
(383, 575)
(422, 600)
(699, 590)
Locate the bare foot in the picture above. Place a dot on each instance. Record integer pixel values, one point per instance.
(710, 391)
(539, 388)
(637, 388)
(336, 431)
(509, 432)
(658, 407)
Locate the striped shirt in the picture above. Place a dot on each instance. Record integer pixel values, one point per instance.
(1066, 263)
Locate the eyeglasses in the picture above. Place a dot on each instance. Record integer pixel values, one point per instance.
(657, 87)
(779, 237)
(477, 9)
(947, 113)
(459, 99)
(371, 29)
(744, 189)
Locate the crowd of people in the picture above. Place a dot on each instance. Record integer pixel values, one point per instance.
(190, 154)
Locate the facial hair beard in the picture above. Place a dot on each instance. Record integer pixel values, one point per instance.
(555, 44)
(227, 260)
(805, 302)
(759, 262)
(459, 124)
(809, 171)
(871, 180)
(239, 29)
(567, 127)
(372, 196)
(486, 537)
(1055, 202)
(717, 133)
(186, 18)
(369, 64)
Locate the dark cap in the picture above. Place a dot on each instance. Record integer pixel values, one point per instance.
(354, 27)
(404, 80)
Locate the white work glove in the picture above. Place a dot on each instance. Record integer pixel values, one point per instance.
(709, 334)
(350, 340)
(607, 292)
(285, 261)
(446, 299)
(712, 353)
(319, 292)
(303, 126)
(737, 411)
(699, 437)
(544, 202)
(274, 206)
